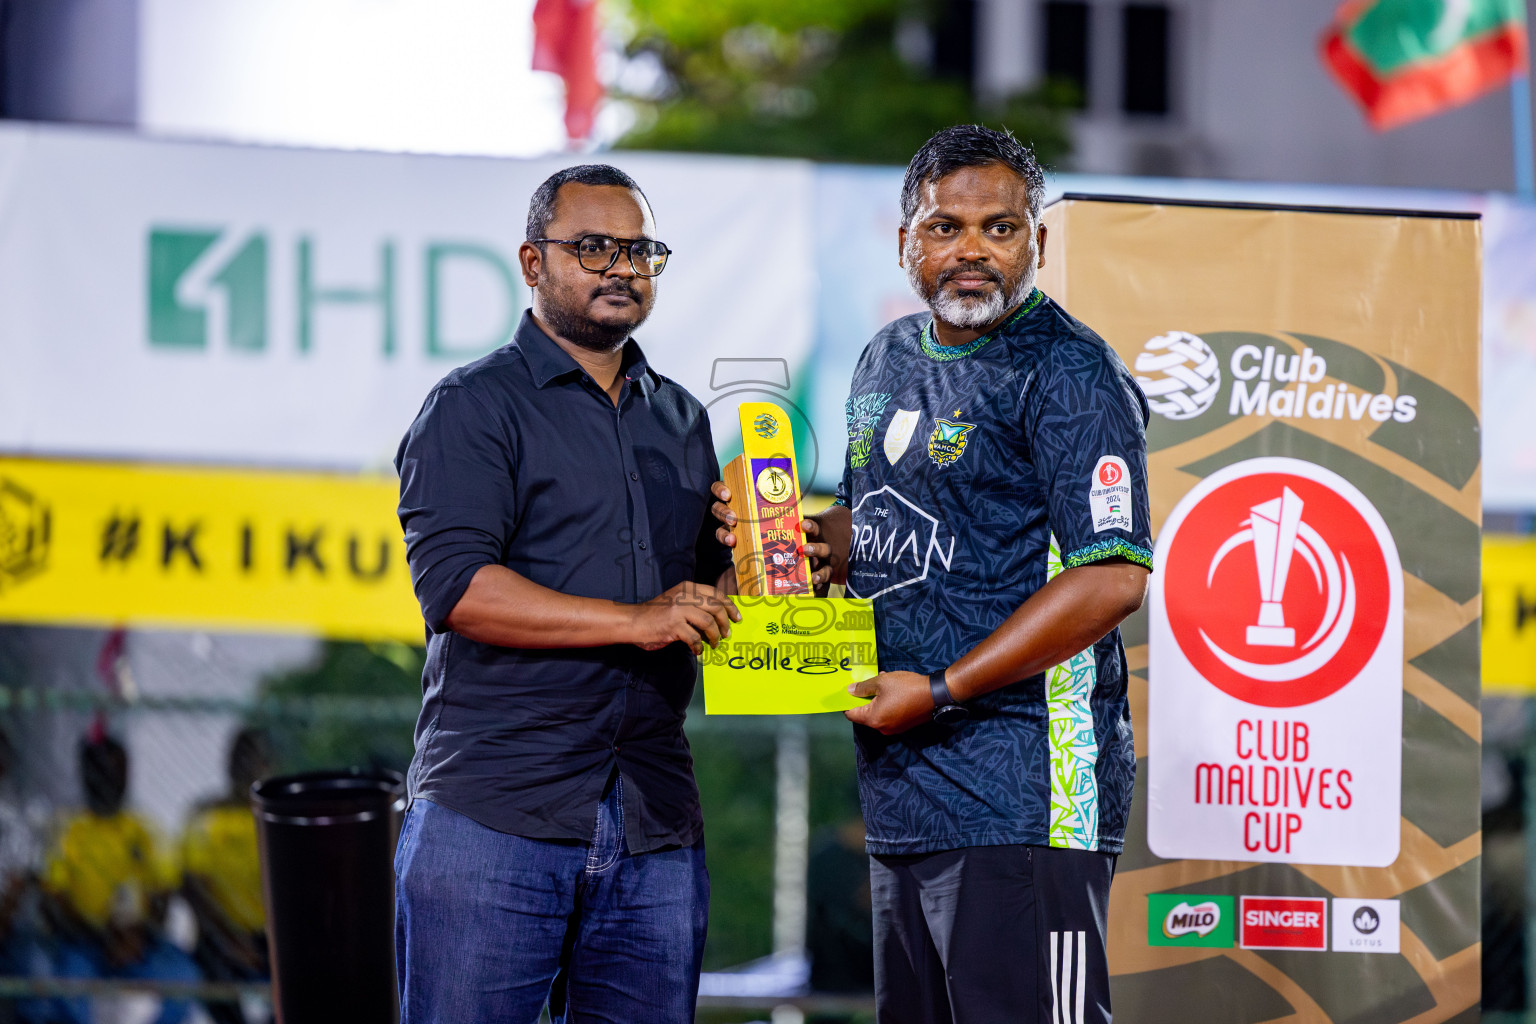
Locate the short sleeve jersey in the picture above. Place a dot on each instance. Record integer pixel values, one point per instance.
(974, 474)
(108, 867)
(220, 849)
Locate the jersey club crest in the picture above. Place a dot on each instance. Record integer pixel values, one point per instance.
(947, 442)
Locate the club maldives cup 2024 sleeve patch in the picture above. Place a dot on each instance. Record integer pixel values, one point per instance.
(1109, 495)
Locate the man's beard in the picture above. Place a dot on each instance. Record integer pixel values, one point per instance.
(974, 310)
(578, 329)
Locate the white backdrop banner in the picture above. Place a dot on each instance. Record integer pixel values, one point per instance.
(198, 302)
(204, 302)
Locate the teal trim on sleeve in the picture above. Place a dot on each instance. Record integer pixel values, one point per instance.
(1115, 548)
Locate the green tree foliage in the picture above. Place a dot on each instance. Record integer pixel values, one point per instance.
(800, 78)
(349, 677)
(736, 782)
(736, 774)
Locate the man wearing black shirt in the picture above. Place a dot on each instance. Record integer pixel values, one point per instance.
(553, 496)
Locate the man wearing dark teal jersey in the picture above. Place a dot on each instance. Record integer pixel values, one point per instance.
(994, 506)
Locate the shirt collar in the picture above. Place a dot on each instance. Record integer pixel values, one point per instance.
(548, 361)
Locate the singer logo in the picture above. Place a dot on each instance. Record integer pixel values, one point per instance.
(1277, 585)
(1273, 922)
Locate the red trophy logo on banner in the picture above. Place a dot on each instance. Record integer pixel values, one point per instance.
(1273, 530)
(1269, 607)
(1275, 682)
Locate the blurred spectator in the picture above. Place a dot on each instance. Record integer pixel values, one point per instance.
(223, 877)
(22, 953)
(108, 883)
(19, 853)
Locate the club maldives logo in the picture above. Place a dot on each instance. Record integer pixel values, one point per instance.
(1277, 585)
(1179, 374)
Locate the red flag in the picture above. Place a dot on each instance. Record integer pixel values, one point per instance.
(1406, 59)
(565, 42)
(110, 658)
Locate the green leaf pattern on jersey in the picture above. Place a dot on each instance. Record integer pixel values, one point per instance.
(864, 412)
(1074, 815)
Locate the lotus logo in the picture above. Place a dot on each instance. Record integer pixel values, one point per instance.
(1200, 919)
(1366, 920)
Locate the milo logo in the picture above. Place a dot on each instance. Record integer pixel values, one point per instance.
(1177, 919)
(1200, 919)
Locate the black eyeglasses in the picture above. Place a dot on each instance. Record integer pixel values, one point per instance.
(596, 253)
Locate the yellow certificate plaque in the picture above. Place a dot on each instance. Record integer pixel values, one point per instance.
(792, 655)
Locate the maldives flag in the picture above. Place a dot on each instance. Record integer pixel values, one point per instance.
(1407, 59)
(565, 42)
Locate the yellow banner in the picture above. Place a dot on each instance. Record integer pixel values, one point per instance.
(791, 655)
(106, 544)
(1509, 614)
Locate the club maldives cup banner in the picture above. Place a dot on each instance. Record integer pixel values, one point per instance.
(1276, 649)
(1304, 679)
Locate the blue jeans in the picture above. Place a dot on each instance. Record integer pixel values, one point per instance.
(162, 961)
(489, 927)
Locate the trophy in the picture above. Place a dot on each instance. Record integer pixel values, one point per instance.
(765, 495)
(1275, 525)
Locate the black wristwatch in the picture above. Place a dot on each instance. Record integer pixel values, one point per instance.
(946, 711)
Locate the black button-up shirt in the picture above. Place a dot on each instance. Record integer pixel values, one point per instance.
(520, 459)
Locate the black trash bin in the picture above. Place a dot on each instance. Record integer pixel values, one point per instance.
(327, 843)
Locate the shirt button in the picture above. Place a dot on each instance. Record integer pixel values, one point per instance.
(642, 545)
(634, 476)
